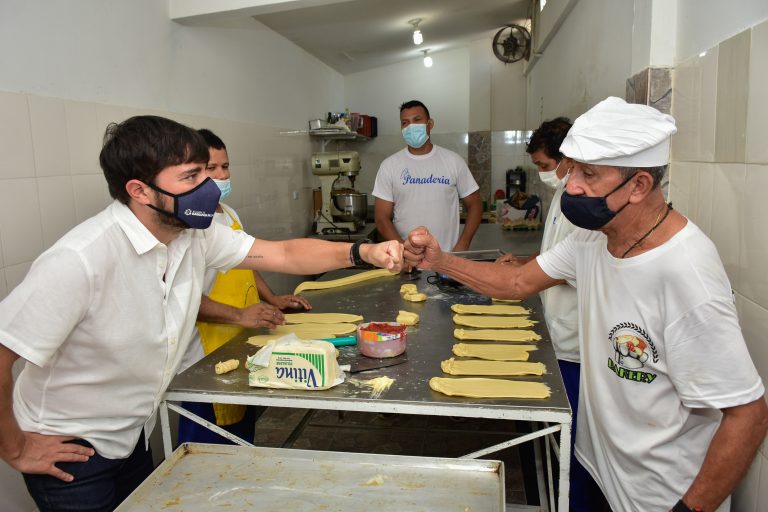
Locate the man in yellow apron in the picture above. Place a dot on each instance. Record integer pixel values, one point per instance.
(231, 305)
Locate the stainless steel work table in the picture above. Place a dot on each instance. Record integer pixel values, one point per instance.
(428, 343)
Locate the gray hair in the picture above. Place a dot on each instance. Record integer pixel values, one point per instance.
(656, 172)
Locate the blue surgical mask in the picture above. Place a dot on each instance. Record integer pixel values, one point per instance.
(415, 135)
(194, 208)
(590, 212)
(225, 186)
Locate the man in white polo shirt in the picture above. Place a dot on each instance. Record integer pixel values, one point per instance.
(421, 186)
(104, 316)
(672, 409)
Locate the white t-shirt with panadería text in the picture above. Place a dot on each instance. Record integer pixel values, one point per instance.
(425, 190)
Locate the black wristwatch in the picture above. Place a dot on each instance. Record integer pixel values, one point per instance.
(354, 252)
(680, 506)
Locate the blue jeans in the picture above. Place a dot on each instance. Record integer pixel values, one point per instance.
(585, 495)
(191, 432)
(100, 484)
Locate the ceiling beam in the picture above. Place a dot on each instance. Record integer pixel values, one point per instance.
(189, 10)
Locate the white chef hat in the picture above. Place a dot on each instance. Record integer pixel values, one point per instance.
(620, 134)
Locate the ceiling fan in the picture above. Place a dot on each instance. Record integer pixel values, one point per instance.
(512, 43)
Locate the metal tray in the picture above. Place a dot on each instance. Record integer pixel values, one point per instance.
(211, 477)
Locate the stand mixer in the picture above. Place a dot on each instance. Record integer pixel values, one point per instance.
(335, 217)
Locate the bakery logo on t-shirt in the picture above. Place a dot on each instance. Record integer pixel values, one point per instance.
(407, 179)
(633, 348)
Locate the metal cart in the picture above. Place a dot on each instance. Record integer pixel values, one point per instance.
(428, 343)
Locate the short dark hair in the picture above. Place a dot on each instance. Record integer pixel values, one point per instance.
(549, 136)
(142, 146)
(657, 173)
(212, 139)
(414, 104)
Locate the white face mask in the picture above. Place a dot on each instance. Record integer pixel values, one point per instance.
(549, 178)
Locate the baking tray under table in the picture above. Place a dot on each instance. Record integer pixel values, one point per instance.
(211, 477)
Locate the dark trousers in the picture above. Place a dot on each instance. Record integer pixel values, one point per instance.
(100, 484)
(191, 432)
(585, 495)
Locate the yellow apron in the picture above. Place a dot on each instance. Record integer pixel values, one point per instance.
(234, 288)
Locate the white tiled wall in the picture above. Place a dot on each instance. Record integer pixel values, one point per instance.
(754, 242)
(15, 138)
(50, 178)
(719, 178)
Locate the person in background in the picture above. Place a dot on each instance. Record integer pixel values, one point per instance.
(234, 300)
(672, 409)
(103, 318)
(422, 184)
(560, 302)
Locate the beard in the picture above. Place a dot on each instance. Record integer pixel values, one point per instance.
(165, 217)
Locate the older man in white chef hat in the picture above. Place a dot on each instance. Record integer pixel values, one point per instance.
(672, 408)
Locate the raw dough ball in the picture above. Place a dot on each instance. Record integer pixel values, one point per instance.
(408, 289)
(415, 297)
(407, 318)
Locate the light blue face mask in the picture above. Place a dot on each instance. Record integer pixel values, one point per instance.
(225, 186)
(415, 135)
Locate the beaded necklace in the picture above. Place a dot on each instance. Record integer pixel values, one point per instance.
(657, 224)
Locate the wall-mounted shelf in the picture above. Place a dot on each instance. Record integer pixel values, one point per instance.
(328, 134)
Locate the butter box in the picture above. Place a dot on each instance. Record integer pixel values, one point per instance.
(293, 363)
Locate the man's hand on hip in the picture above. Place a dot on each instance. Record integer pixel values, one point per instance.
(40, 454)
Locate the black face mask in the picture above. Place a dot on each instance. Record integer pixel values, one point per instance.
(590, 212)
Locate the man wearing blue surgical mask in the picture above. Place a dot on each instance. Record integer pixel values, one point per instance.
(231, 301)
(422, 185)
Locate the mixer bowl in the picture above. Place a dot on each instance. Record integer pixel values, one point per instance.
(350, 206)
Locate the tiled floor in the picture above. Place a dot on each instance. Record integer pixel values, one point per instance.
(431, 436)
